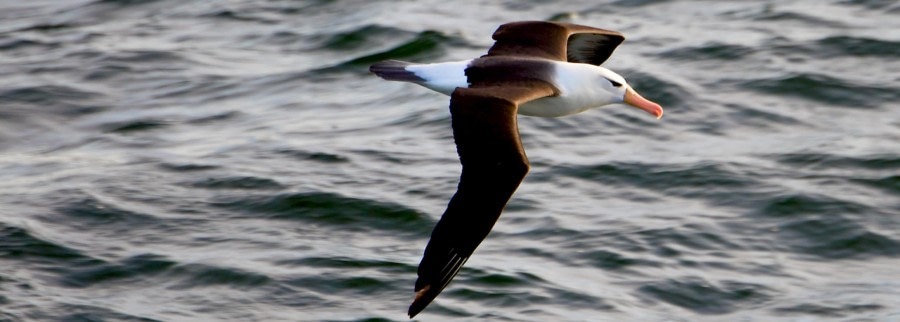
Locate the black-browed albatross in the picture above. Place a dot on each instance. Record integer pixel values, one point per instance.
(536, 68)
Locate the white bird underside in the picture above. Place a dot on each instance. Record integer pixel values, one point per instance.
(573, 80)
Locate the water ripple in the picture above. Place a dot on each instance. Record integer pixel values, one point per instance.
(427, 44)
(251, 183)
(819, 161)
(718, 51)
(824, 89)
(703, 297)
(17, 243)
(133, 268)
(334, 209)
(838, 311)
(201, 275)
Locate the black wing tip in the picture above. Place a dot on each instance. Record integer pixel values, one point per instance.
(424, 297)
(428, 292)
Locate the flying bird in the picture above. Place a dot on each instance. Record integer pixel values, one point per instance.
(535, 68)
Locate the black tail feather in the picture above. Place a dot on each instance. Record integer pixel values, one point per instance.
(395, 70)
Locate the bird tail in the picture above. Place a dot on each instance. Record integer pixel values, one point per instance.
(395, 70)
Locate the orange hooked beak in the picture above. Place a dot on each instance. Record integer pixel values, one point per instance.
(634, 99)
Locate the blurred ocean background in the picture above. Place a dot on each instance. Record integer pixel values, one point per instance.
(235, 161)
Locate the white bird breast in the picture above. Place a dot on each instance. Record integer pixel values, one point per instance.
(581, 86)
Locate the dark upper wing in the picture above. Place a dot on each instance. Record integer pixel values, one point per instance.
(494, 163)
(555, 40)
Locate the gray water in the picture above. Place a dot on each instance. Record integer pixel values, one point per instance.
(234, 161)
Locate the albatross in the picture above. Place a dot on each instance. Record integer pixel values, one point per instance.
(535, 68)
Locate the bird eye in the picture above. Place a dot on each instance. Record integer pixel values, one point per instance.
(615, 83)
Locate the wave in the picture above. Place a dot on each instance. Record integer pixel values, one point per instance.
(333, 209)
(133, 268)
(824, 89)
(90, 213)
(85, 312)
(317, 156)
(786, 16)
(712, 51)
(870, 4)
(364, 37)
(701, 296)
(817, 161)
(21, 245)
(890, 184)
(348, 263)
(423, 46)
(825, 310)
(713, 182)
(131, 126)
(53, 95)
(202, 275)
(842, 46)
(245, 182)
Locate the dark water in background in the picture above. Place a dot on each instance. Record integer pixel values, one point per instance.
(233, 160)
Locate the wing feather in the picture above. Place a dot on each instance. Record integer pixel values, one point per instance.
(494, 163)
(555, 40)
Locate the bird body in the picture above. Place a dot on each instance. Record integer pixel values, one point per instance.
(537, 68)
(576, 83)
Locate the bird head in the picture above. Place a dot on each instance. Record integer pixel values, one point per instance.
(616, 84)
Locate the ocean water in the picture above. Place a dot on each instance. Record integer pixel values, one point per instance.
(234, 161)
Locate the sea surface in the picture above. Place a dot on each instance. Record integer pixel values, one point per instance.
(235, 161)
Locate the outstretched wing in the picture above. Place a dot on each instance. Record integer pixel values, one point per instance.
(493, 165)
(555, 40)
